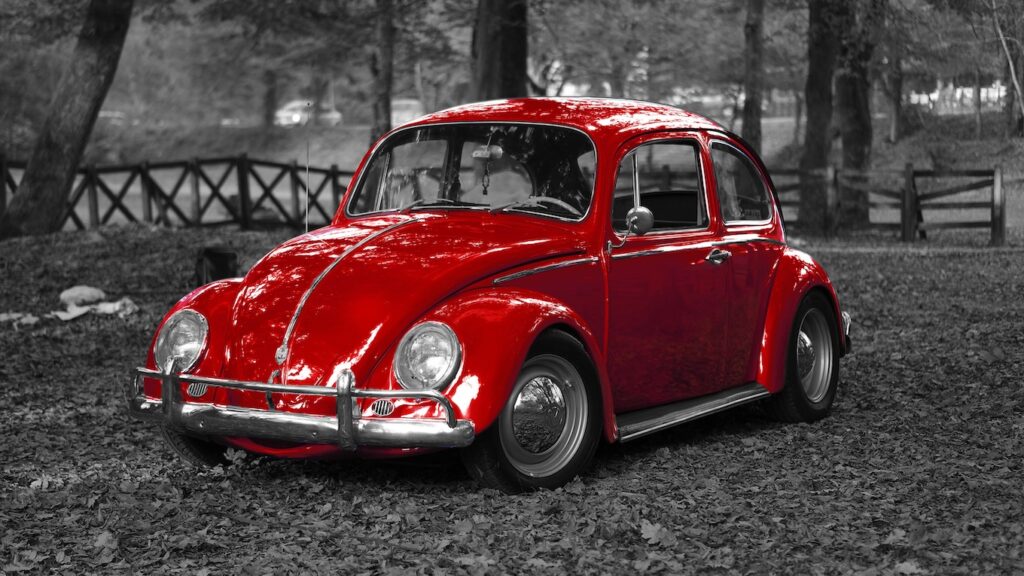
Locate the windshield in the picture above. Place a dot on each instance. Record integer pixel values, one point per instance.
(544, 170)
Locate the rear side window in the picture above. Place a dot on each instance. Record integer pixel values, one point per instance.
(668, 176)
(741, 192)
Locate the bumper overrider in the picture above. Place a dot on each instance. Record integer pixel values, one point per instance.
(346, 430)
(847, 321)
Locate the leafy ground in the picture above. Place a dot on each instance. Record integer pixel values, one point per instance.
(917, 471)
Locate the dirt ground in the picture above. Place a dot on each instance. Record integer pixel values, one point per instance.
(918, 470)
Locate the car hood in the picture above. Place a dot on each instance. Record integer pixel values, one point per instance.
(379, 276)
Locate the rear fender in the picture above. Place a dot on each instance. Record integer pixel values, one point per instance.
(796, 276)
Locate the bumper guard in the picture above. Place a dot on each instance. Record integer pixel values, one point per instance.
(347, 429)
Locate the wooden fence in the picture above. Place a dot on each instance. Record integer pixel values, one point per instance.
(249, 192)
(199, 192)
(920, 200)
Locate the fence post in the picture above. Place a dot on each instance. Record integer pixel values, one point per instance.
(335, 188)
(196, 201)
(92, 196)
(293, 178)
(3, 185)
(908, 212)
(998, 208)
(147, 205)
(244, 201)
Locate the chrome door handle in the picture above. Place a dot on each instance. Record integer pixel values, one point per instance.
(717, 256)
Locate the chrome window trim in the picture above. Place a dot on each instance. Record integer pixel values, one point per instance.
(716, 139)
(544, 268)
(380, 143)
(636, 187)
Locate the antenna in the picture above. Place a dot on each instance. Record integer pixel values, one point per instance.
(308, 106)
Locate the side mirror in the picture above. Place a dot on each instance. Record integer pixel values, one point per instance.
(639, 220)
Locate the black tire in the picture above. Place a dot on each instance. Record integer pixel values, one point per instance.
(804, 399)
(199, 453)
(498, 459)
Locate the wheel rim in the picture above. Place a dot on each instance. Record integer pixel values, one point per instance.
(814, 355)
(543, 424)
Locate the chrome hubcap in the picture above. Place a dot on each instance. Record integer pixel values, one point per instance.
(538, 416)
(542, 428)
(814, 355)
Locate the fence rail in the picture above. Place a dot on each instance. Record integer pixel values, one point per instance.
(248, 192)
(918, 198)
(197, 192)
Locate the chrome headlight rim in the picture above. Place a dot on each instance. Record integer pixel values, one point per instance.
(401, 371)
(165, 331)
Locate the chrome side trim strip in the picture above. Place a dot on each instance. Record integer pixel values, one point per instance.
(664, 249)
(282, 352)
(697, 246)
(545, 268)
(638, 424)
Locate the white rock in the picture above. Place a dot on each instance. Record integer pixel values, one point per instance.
(81, 295)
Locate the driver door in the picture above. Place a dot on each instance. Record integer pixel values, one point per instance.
(666, 299)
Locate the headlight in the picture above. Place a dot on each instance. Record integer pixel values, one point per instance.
(427, 357)
(183, 338)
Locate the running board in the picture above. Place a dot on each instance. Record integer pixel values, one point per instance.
(633, 425)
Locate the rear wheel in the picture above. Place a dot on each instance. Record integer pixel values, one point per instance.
(548, 430)
(199, 453)
(812, 364)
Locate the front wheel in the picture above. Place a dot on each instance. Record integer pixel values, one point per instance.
(812, 364)
(550, 425)
(199, 453)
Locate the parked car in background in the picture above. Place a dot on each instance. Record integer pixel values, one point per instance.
(297, 113)
(516, 279)
(404, 110)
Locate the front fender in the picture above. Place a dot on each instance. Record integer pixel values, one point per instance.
(214, 301)
(497, 327)
(796, 275)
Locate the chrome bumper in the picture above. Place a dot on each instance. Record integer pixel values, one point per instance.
(848, 345)
(347, 429)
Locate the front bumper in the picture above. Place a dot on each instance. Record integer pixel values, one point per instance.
(848, 344)
(346, 430)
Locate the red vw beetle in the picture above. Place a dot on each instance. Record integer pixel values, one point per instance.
(517, 279)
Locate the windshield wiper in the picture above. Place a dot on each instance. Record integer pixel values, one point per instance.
(423, 203)
(528, 203)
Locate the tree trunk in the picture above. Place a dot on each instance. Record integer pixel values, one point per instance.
(382, 67)
(500, 49)
(269, 97)
(41, 201)
(977, 104)
(1013, 61)
(753, 75)
(895, 100)
(821, 56)
(853, 101)
(798, 116)
(617, 80)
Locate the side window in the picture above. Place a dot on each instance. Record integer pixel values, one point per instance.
(668, 176)
(741, 192)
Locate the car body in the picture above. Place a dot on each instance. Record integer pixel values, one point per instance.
(518, 279)
(297, 113)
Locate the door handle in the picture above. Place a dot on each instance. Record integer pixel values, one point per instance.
(717, 256)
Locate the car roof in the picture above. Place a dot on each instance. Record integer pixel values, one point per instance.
(600, 117)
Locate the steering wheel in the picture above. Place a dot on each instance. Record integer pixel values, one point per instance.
(557, 202)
